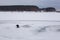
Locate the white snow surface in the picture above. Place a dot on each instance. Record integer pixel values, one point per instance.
(32, 26)
(29, 16)
(35, 30)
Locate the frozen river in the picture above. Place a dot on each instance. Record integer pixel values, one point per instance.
(32, 26)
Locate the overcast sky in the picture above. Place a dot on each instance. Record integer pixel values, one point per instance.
(40, 3)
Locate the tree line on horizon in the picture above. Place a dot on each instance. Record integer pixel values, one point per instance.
(26, 8)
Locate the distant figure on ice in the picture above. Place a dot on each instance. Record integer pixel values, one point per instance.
(17, 26)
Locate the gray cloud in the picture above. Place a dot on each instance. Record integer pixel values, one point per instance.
(19, 2)
(48, 3)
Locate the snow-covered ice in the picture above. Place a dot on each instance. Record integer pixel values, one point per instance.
(33, 26)
(29, 16)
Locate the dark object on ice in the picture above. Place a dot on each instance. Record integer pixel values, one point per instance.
(17, 26)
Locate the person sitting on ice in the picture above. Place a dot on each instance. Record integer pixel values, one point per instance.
(17, 26)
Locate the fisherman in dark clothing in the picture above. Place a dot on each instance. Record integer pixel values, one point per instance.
(17, 26)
